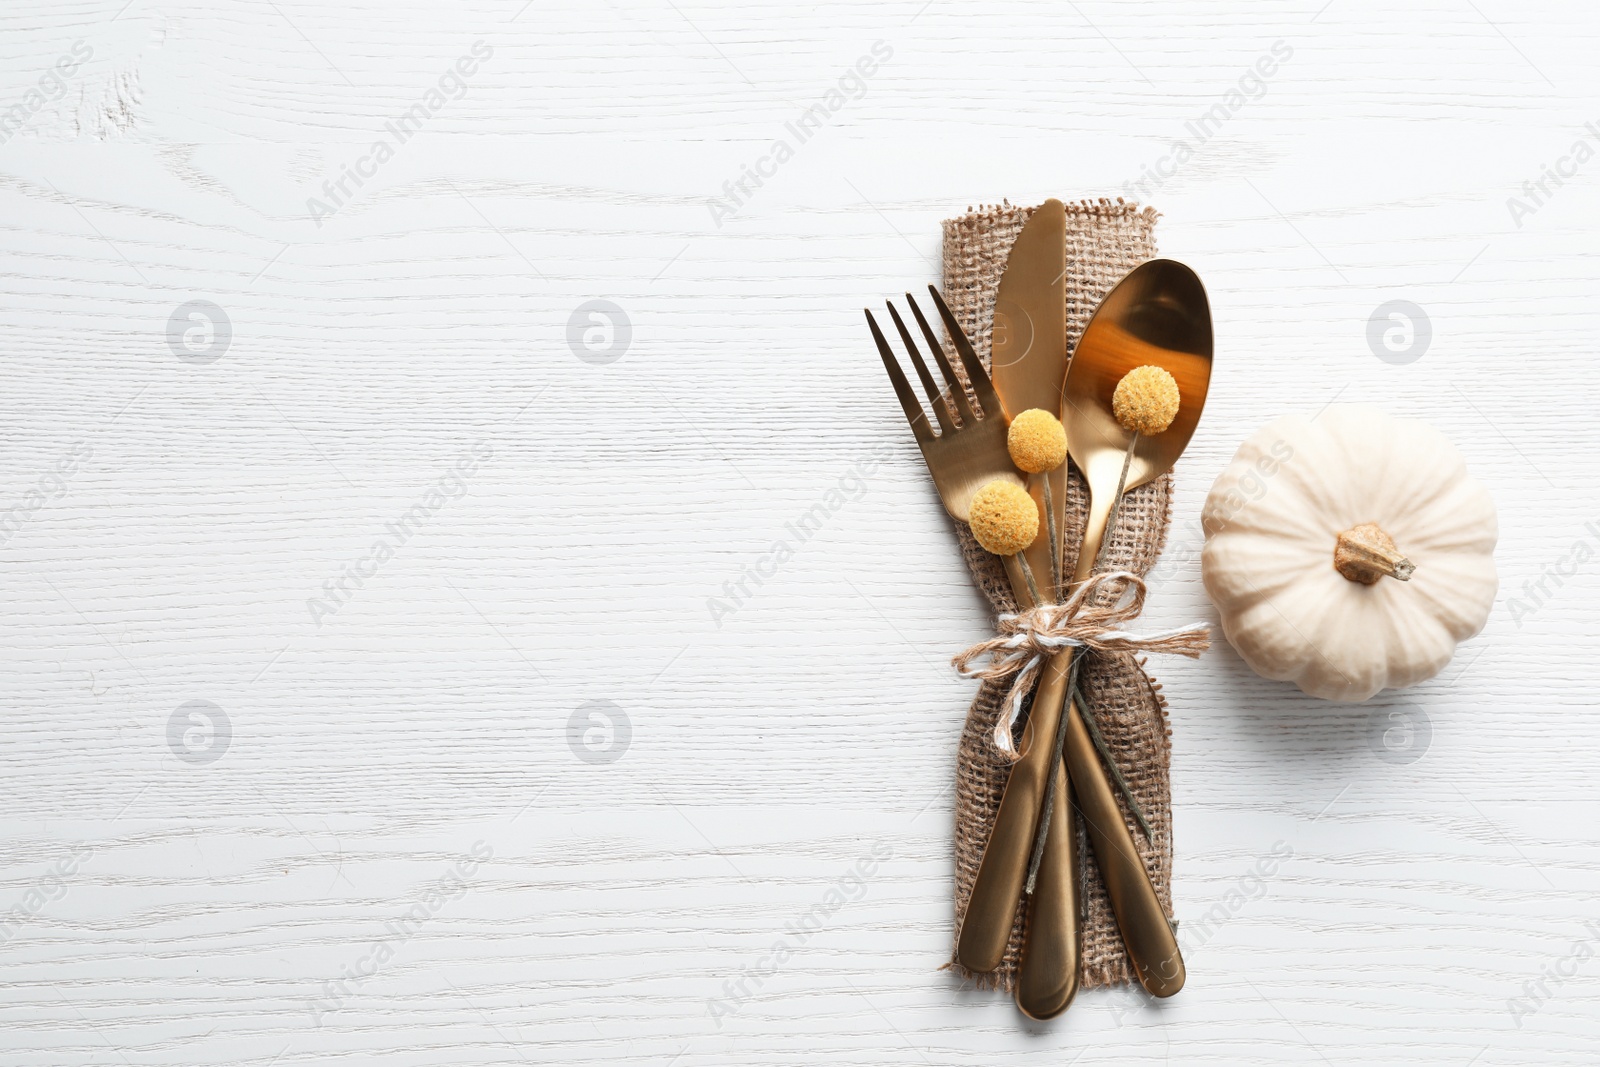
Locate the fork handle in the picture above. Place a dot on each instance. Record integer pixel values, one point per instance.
(992, 908)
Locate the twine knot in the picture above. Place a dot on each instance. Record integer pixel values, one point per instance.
(1027, 638)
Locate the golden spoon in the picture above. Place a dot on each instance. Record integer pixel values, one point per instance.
(1157, 316)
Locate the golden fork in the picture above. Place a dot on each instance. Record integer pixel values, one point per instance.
(962, 459)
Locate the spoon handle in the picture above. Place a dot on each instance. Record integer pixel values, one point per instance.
(1094, 535)
(1148, 935)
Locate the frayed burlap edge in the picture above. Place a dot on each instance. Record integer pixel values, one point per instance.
(1105, 240)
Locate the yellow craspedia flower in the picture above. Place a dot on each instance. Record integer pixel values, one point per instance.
(1146, 400)
(1037, 441)
(1004, 518)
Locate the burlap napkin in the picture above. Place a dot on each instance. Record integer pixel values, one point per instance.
(1105, 240)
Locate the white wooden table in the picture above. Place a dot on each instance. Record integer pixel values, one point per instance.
(477, 775)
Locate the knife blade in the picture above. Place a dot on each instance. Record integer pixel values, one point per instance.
(1029, 346)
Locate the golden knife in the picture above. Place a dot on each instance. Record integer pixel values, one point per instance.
(1028, 366)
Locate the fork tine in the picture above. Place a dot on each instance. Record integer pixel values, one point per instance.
(940, 412)
(981, 385)
(958, 392)
(902, 388)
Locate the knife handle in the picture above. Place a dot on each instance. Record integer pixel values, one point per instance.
(992, 908)
(1048, 978)
(1151, 944)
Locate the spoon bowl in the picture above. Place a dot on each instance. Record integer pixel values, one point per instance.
(1158, 315)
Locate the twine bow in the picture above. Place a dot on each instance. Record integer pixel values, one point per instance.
(1027, 638)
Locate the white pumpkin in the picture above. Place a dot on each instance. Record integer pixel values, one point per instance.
(1389, 610)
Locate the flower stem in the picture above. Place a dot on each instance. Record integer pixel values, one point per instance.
(1111, 764)
(1055, 539)
(1027, 572)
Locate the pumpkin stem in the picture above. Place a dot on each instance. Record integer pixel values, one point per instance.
(1365, 554)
